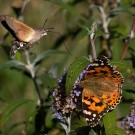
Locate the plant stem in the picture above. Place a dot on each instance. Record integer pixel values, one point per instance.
(128, 40)
(37, 90)
(92, 35)
(105, 22)
(69, 125)
(94, 55)
(30, 67)
(24, 3)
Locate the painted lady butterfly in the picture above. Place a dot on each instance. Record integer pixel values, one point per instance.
(100, 88)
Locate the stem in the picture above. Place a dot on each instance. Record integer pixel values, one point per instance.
(105, 22)
(69, 125)
(37, 90)
(94, 55)
(24, 3)
(30, 67)
(92, 35)
(128, 40)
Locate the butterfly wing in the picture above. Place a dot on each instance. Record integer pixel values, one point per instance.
(101, 90)
(93, 107)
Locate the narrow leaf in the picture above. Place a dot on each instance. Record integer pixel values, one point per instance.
(120, 10)
(11, 108)
(13, 64)
(129, 86)
(46, 54)
(128, 95)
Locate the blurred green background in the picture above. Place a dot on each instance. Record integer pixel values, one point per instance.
(71, 19)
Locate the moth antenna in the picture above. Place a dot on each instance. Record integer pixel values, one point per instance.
(60, 35)
(44, 23)
(48, 29)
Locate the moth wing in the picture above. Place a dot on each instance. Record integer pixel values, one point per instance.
(21, 31)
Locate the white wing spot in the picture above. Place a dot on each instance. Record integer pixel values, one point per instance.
(87, 119)
(94, 115)
(87, 112)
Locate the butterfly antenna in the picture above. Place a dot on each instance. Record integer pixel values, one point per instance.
(59, 35)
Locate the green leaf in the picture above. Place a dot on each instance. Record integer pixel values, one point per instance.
(83, 130)
(11, 108)
(128, 95)
(109, 121)
(121, 9)
(92, 132)
(13, 64)
(47, 81)
(99, 33)
(120, 131)
(79, 122)
(129, 86)
(3, 105)
(74, 71)
(46, 54)
(120, 63)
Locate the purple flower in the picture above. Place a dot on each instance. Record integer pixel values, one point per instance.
(63, 104)
(128, 123)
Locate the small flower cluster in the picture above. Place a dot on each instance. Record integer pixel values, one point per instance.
(63, 104)
(128, 123)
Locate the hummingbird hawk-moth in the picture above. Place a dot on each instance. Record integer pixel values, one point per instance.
(23, 34)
